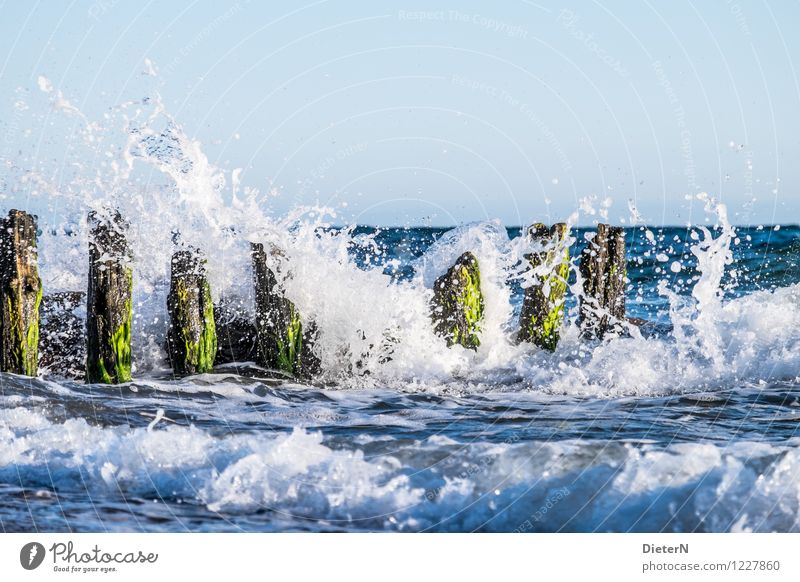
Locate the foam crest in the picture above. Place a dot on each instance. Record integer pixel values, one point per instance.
(374, 330)
(423, 485)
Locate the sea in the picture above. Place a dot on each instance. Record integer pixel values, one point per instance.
(685, 422)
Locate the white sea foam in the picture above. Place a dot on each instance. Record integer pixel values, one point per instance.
(373, 331)
(566, 486)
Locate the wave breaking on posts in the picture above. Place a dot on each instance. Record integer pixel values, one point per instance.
(167, 337)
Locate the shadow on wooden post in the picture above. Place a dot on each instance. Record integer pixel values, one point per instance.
(236, 333)
(20, 293)
(458, 305)
(109, 308)
(282, 344)
(604, 271)
(62, 336)
(192, 336)
(543, 306)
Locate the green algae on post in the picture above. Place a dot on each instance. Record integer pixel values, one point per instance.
(20, 294)
(192, 335)
(604, 270)
(543, 306)
(109, 307)
(290, 342)
(282, 342)
(458, 304)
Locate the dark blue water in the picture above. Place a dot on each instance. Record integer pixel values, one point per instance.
(690, 425)
(764, 258)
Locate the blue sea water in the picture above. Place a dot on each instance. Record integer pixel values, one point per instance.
(687, 424)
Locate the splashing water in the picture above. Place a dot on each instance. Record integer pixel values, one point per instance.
(697, 411)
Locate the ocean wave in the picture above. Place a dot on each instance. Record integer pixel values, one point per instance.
(436, 484)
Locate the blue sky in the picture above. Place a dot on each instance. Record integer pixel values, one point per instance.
(445, 112)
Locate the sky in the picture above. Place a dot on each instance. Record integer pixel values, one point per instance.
(439, 113)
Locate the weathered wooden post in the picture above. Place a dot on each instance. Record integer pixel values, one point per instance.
(109, 307)
(192, 335)
(20, 294)
(594, 259)
(617, 277)
(281, 342)
(458, 305)
(543, 306)
(603, 269)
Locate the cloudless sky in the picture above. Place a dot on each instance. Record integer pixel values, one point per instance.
(445, 112)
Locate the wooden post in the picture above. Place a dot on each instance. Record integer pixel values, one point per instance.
(20, 293)
(192, 336)
(281, 342)
(543, 306)
(617, 277)
(594, 259)
(458, 305)
(109, 308)
(603, 268)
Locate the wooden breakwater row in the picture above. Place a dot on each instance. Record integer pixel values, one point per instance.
(458, 303)
(282, 341)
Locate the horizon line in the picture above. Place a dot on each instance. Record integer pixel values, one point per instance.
(765, 226)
